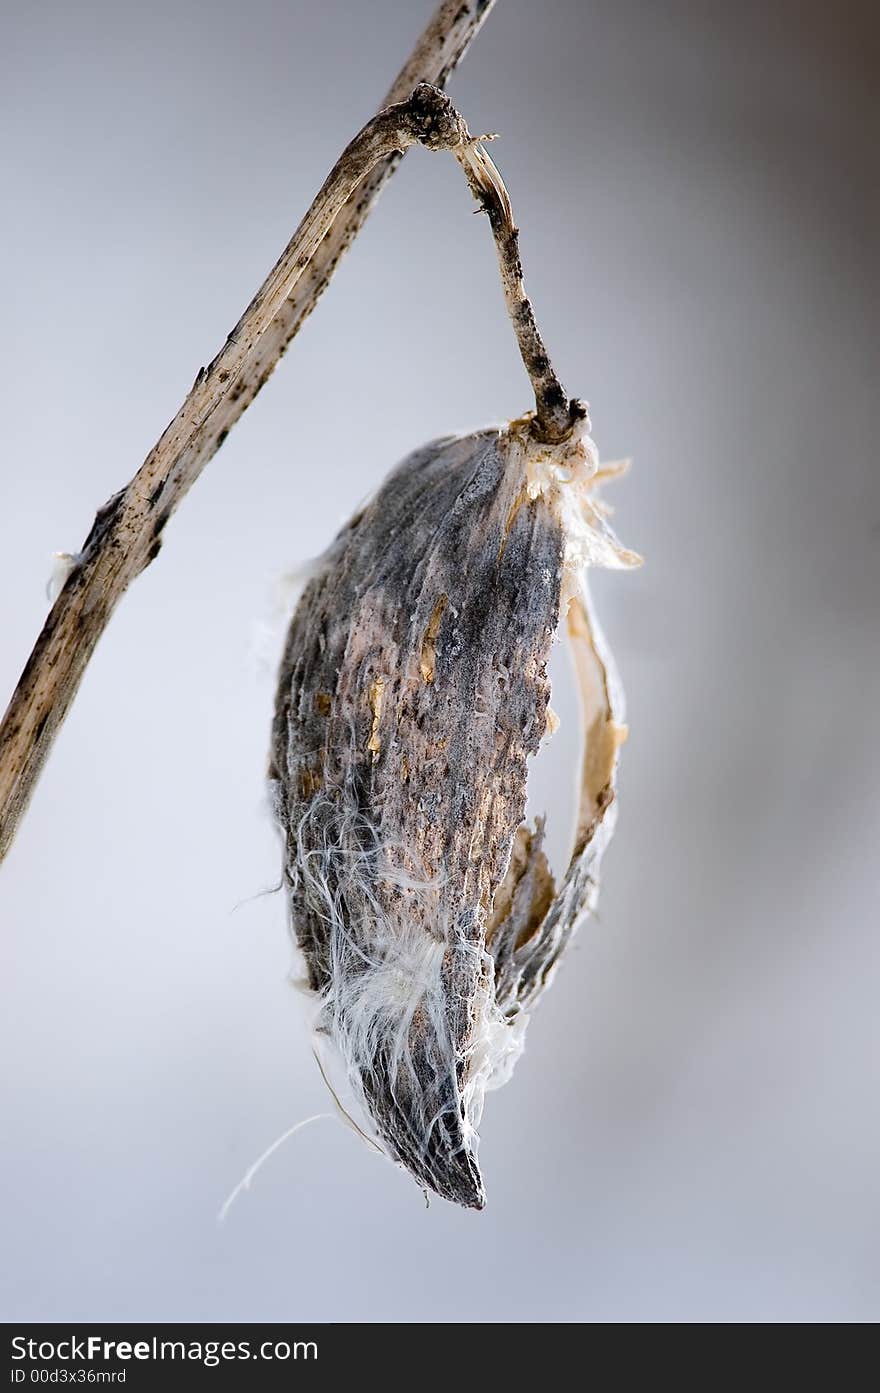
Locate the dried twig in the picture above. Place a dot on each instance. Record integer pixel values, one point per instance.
(554, 413)
(127, 531)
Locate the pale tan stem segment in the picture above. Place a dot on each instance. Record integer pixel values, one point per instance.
(127, 531)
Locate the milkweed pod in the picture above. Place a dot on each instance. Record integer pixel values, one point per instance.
(412, 692)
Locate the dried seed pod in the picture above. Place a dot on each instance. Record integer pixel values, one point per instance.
(412, 692)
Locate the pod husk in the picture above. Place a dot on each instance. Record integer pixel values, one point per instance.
(413, 691)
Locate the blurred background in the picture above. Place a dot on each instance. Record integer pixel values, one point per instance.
(693, 1132)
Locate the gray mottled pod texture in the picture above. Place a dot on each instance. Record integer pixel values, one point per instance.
(413, 690)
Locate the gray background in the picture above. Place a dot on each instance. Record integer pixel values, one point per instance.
(693, 1132)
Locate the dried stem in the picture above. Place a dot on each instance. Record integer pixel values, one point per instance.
(554, 412)
(127, 531)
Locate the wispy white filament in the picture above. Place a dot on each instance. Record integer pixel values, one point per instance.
(245, 1182)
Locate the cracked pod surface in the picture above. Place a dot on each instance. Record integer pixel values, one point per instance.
(413, 690)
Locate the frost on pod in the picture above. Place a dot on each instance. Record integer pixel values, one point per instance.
(413, 690)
